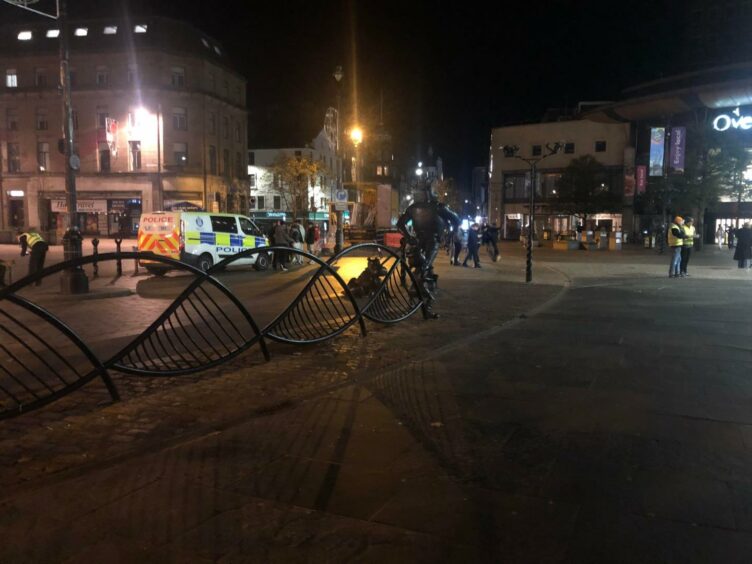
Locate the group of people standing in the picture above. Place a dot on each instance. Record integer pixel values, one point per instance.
(471, 240)
(293, 236)
(681, 239)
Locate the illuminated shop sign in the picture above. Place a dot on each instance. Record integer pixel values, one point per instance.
(734, 120)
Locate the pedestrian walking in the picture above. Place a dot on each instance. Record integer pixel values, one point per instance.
(687, 245)
(719, 236)
(297, 235)
(675, 242)
(280, 238)
(33, 241)
(743, 252)
(492, 234)
(473, 244)
(311, 239)
(457, 244)
(730, 237)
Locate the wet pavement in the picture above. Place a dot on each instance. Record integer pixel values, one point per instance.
(599, 414)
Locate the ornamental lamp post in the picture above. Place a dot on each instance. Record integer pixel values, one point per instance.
(339, 238)
(511, 151)
(73, 279)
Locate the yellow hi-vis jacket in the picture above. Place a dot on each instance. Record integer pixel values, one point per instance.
(673, 240)
(32, 238)
(689, 235)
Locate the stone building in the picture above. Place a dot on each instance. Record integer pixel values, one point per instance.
(159, 122)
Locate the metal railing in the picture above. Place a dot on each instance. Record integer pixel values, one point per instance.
(43, 359)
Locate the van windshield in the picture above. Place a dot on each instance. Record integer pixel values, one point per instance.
(248, 227)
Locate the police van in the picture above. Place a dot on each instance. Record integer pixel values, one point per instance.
(201, 239)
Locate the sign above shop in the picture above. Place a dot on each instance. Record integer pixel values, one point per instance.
(82, 206)
(736, 120)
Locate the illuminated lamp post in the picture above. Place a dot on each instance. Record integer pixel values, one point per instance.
(73, 280)
(511, 151)
(339, 237)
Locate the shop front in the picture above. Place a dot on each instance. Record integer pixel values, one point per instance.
(98, 215)
(183, 201)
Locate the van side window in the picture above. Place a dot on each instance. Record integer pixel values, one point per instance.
(224, 224)
(248, 227)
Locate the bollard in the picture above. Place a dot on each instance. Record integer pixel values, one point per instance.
(95, 264)
(119, 262)
(73, 280)
(135, 261)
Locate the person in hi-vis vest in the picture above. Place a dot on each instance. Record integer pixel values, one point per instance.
(676, 242)
(31, 239)
(688, 244)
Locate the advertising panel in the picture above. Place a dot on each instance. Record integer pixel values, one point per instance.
(642, 178)
(678, 149)
(629, 172)
(657, 149)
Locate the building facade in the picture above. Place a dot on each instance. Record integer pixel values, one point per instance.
(510, 182)
(269, 197)
(159, 120)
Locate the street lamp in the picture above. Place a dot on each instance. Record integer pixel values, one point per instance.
(511, 151)
(339, 238)
(73, 280)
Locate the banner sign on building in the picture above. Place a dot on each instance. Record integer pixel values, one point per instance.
(678, 149)
(82, 206)
(642, 178)
(657, 150)
(629, 172)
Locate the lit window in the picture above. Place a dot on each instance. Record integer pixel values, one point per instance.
(110, 30)
(140, 28)
(81, 32)
(180, 151)
(43, 156)
(52, 33)
(24, 35)
(11, 78)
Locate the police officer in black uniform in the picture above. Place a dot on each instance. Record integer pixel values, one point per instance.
(430, 218)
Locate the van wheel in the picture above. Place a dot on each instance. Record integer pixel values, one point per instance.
(156, 271)
(205, 262)
(262, 262)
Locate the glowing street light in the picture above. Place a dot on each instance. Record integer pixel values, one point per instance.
(356, 134)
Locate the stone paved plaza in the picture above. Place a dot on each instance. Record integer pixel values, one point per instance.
(601, 414)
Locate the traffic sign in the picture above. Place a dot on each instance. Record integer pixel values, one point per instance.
(340, 196)
(340, 206)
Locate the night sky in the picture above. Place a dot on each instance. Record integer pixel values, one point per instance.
(449, 71)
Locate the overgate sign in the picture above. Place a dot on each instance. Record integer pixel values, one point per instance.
(724, 122)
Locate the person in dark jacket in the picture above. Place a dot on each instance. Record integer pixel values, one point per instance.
(281, 238)
(457, 240)
(743, 252)
(473, 244)
(492, 236)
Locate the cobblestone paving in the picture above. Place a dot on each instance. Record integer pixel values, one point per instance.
(84, 427)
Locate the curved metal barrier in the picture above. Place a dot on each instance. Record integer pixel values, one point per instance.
(43, 359)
